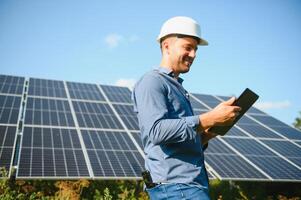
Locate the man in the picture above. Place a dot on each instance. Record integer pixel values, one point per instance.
(173, 137)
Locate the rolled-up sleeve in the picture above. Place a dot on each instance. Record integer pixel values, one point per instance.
(151, 104)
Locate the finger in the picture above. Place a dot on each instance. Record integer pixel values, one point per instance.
(229, 101)
(236, 108)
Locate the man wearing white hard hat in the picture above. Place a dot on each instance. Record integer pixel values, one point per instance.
(173, 137)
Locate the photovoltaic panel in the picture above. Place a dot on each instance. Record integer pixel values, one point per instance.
(117, 94)
(128, 116)
(287, 149)
(197, 105)
(42, 111)
(137, 137)
(209, 100)
(275, 166)
(279, 126)
(51, 152)
(7, 141)
(199, 112)
(229, 165)
(73, 130)
(46, 88)
(9, 109)
(112, 154)
(259, 131)
(84, 91)
(11, 84)
(234, 131)
(95, 115)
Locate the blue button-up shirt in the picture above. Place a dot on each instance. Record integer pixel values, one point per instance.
(172, 147)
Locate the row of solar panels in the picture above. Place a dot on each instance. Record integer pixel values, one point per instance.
(57, 130)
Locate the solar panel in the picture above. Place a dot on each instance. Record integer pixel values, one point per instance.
(126, 112)
(11, 84)
(47, 88)
(209, 100)
(11, 90)
(81, 130)
(84, 91)
(117, 94)
(7, 142)
(9, 109)
(53, 112)
(112, 154)
(51, 152)
(279, 127)
(95, 115)
(286, 148)
(271, 163)
(227, 164)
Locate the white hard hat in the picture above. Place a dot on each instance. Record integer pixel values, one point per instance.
(182, 26)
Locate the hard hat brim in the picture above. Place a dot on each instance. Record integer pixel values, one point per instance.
(202, 42)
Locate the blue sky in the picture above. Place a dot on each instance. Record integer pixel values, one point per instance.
(253, 44)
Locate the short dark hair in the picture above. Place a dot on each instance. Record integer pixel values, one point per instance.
(178, 36)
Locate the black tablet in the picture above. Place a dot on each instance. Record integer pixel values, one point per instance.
(245, 101)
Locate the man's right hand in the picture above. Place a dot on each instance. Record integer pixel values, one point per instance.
(222, 115)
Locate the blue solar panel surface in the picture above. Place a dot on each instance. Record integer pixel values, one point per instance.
(80, 130)
(11, 90)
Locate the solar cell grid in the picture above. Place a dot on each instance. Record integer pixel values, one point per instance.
(279, 126)
(259, 131)
(7, 139)
(232, 167)
(95, 115)
(51, 152)
(112, 154)
(84, 91)
(11, 84)
(107, 140)
(117, 94)
(236, 132)
(272, 164)
(197, 105)
(209, 100)
(127, 114)
(9, 109)
(228, 164)
(286, 148)
(54, 112)
(47, 88)
(137, 138)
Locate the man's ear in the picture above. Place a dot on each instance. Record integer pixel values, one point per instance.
(166, 44)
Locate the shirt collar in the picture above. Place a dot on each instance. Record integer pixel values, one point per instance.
(170, 73)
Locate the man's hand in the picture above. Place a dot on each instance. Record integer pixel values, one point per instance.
(222, 115)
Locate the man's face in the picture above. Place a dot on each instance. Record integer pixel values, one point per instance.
(182, 53)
